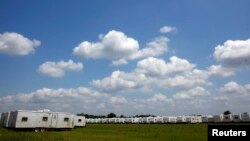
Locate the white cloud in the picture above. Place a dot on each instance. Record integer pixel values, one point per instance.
(77, 99)
(155, 66)
(57, 69)
(116, 82)
(220, 71)
(117, 100)
(16, 44)
(119, 62)
(191, 93)
(234, 96)
(156, 47)
(154, 73)
(159, 97)
(115, 45)
(234, 88)
(234, 53)
(167, 29)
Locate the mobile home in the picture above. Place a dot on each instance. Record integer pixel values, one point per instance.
(218, 118)
(236, 118)
(181, 119)
(158, 119)
(79, 121)
(245, 117)
(4, 119)
(40, 120)
(172, 119)
(227, 118)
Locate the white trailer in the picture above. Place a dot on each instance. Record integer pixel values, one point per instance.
(227, 118)
(165, 119)
(150, 120)
(245, 117)
(181, 119)
(207, 119)
(79, 121)
(188, 119)
(4, 121)
(128, 120)
(218, 118)
(40, 120)
(158, 119)
(172, 119)
(210, 118)
(196, 119)
(236, 118)
(121, 120)
(104, 120)
(135, 120)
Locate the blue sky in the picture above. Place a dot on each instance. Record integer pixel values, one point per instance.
(55, 53)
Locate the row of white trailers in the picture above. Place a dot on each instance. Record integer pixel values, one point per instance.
(41, 120)
(244, 117)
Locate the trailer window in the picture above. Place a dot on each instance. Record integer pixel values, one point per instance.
(45, 118)
(66, 119)
(79, 120)
(24, 119)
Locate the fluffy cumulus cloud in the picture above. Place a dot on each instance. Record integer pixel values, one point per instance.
(113, 45)
(56, 99)
(58, 69)
(233, 53)
(167, 29)
(233, 96)
(220, 71)
(232, 91)
(117, 100)
(191, 93)
(155, 66)
(119, 62)
(117, 46)
(118, 81)
(16, 44)
(235, 89)
(156, 47)
(153, 73)
(159, 97)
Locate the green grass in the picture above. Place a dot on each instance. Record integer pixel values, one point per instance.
(115, 132)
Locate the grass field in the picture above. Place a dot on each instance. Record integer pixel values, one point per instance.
(115, 132)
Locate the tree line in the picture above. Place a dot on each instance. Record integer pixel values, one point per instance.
(111, 115)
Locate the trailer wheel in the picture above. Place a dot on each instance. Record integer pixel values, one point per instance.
(42, 129)
(36, 130)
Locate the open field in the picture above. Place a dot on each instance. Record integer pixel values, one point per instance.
(115, 132)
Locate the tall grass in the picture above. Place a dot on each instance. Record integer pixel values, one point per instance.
(115, 132)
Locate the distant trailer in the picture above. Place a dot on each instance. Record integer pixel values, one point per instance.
(150, 119)
(227, 118)
(40, 120)
(207, 119)
(172, 119)
(135, 120)
(181, 119)
(236, 118)
(218, 118)
(158, 119)
(245, 117)
(196, 119)
(79, 121)
(4, 120)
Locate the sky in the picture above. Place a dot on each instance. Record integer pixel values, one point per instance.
(128, 57)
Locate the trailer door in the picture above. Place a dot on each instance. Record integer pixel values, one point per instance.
(54, 120)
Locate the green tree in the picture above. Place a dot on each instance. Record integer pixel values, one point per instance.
(111, 115)
(227, 112)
